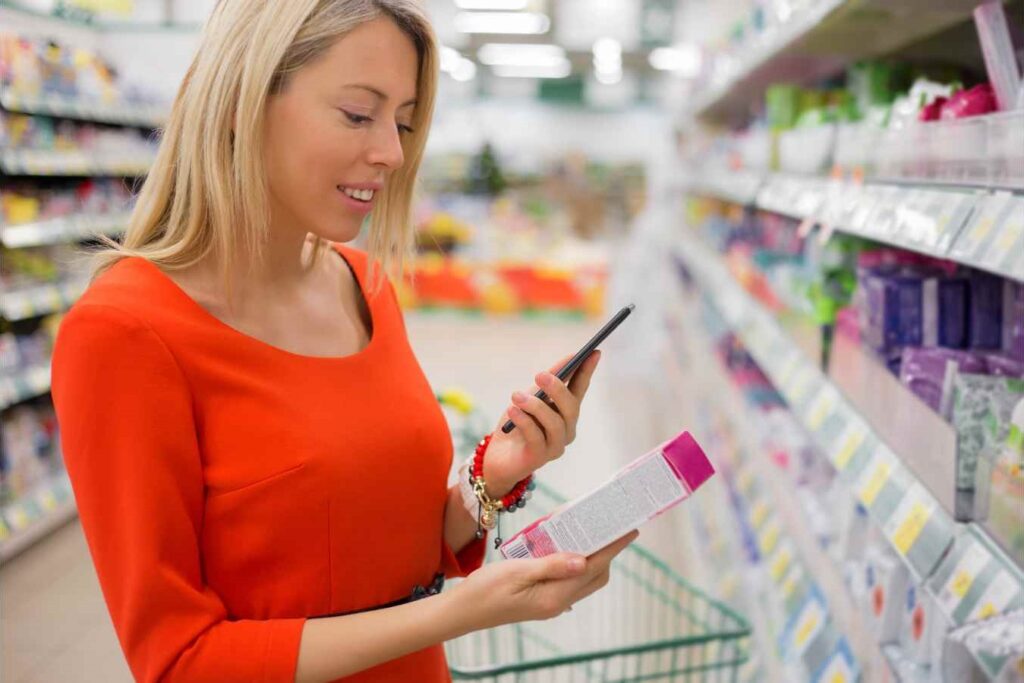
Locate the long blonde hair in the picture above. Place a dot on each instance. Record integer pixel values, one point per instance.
(206, 191)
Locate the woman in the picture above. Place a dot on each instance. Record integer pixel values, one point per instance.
(260, 466)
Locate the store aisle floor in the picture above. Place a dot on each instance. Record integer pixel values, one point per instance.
(55, 627)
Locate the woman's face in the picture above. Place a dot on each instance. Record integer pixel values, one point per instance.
(333, 136)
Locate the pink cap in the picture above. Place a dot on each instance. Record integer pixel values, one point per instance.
(688, 459)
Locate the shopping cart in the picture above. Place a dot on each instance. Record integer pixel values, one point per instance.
(647, 624)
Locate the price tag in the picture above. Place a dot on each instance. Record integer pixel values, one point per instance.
(769, 537)
(745, 481)
(838, 670)
(1010, 233)
(758, 514)
(47, 501)
(875, 476)
(792, 581)
(810, 622)
(996, 598)
(18, 517)
(802, 384)
(967, 569)
(911, 515)
(780, 562)
(847, 444)
(821, 407)
(971, 243)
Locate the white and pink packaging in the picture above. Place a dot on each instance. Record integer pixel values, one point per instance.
(641, 491)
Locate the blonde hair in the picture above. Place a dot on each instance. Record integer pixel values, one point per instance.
(206, 191)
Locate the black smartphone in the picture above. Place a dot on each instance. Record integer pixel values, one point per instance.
(565, 372)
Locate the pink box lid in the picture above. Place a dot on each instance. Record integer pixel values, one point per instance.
(688, 459)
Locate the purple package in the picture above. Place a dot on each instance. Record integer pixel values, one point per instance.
(894, 308)
(944, 312)
(985, 316)
(1003, 365)
(1013, 319)
(924, 370)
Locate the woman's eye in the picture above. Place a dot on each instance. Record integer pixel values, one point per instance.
(402, 128)
(356, 118)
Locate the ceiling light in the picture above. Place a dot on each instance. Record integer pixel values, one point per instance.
(502, 22)
(608, 77)
(465, 70)
(508, 5)
(556, 71)
(513, 54)
(607, 49)
(682, 59)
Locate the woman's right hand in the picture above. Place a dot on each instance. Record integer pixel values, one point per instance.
(511, 591)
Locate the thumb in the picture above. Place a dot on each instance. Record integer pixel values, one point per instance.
(559, 566)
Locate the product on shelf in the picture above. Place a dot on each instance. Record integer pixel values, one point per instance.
(30, 449)
(35, 68)
(37, 265)
(29, 132)
(27, 203)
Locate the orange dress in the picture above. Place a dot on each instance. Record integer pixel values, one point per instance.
(229, 489)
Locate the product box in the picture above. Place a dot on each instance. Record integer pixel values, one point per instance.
(649, 486)
(886, 580)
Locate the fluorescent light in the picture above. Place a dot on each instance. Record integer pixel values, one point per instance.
(502, 22)
(608, 77)
(607, 49)
(607, 61)
(682, 59)
(520, 54)
(465, 70)
(556, 71)
(508, 5)
(450, 58)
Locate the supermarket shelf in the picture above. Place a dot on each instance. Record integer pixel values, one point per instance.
(66, 229)
(35, 515)
(62, 107)
(785, 501)
(29, 302)
(980, 228)
(24, 384)
(49, 163)
(818, 40)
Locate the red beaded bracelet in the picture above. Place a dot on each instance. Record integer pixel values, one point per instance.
(490, 508)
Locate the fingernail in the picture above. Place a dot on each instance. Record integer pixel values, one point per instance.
(518, 397)
(577, 564)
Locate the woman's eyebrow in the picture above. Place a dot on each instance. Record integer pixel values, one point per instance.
(380, 95)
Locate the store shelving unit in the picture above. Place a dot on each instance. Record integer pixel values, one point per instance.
(983, 228)
(34, 515)
(61, 107)
(73, 228)
(816, 40)
(907, 482)
(30, 162)
(37, 300)
(24, 384)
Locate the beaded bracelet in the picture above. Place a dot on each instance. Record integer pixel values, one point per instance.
(489, 509)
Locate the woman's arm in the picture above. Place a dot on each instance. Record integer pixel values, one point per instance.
(336, 647)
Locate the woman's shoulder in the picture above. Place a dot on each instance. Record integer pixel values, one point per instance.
(132, 285)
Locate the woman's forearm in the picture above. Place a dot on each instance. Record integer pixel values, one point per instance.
(459, 525)
(335, 647)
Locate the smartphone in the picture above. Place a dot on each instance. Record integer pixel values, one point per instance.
(565, 372)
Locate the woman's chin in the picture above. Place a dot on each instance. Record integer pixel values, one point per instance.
(339, 231)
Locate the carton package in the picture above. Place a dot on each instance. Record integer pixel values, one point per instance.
(647, 487)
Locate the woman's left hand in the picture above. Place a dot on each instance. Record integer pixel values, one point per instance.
(543, 428)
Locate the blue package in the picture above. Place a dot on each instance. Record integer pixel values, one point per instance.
(945, 312)
(985, 315)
